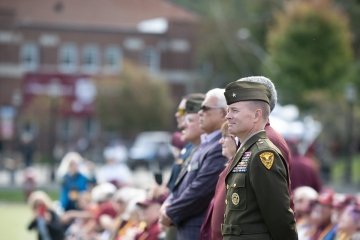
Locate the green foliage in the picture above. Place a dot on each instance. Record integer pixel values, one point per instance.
(225, 51)
(338, 170)
(133, 102)
(352, 9)
(311, 50)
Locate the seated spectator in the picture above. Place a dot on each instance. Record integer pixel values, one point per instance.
(340, 202)
(323, 227)
(349, 223)
(75, 220)
(149, 213)
(120, 201)
(46, 222)
(304, 197)
(101, 195)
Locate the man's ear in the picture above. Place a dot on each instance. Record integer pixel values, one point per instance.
(258, 115)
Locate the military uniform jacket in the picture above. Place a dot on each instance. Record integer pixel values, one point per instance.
(257, 204)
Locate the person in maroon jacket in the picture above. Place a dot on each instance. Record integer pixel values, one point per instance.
(303, 171)
(211, 227)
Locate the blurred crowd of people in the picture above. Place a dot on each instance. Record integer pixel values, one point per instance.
(193, 202)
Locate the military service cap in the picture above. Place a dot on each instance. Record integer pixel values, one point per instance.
(267, 83)
(246, 91)
(193, 102)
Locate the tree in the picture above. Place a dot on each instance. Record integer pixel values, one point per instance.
(133, 102)
(231, 40)
(310, 50)
(352, 8)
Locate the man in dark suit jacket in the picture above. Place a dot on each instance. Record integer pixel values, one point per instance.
(195, 186)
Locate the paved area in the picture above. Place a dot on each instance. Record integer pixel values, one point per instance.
(42, 175)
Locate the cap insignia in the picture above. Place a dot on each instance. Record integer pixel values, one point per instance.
(234, 94)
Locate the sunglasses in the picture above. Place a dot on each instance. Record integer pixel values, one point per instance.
(205, 108)
(181, 112)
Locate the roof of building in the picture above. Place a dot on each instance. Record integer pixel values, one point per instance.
(94, 14)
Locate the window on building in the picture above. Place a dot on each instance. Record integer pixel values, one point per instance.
(29, 56)
(68, 58)
(151, 59)
(90, 58)
(113, 59)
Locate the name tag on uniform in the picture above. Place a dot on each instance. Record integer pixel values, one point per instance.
(193, 166)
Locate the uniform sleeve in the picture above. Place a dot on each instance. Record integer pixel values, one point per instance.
(198, 194)
(269, 182)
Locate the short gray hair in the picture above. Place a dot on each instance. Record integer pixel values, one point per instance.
(268, 84)
(218, 93)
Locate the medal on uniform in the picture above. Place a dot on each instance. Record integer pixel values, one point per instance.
(235, 198)
(267, 158)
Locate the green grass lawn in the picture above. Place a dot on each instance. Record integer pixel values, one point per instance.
(14, 220)
(15, 214)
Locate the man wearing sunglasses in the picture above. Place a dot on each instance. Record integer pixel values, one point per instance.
(196, 185)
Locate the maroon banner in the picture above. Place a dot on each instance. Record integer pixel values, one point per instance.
(76, 93)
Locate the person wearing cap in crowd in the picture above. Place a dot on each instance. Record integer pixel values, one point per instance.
(190, 133)
(340, 202)
(257, 204)
(186, 149)
(349, 223)
(127, 222)
(195, 185)
(304, 197)
(215, 215)
(149, 214)
(321, 217)
(101, 195)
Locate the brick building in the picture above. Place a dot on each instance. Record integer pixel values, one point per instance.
(73, 40)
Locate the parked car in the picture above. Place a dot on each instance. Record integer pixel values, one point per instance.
(152, 150)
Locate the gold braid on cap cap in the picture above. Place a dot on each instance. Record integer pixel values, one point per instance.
(246, 91)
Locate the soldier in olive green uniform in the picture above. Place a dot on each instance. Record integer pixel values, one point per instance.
(257, 198)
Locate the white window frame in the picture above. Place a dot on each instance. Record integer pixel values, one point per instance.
(90, 58)
(69, 51)
(29, 56)
(151, 59)
(113, 59)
